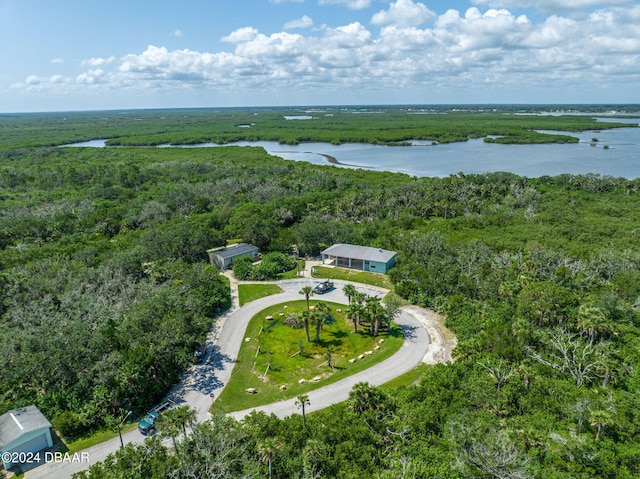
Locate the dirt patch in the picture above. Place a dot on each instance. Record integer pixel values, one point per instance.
(443, 340)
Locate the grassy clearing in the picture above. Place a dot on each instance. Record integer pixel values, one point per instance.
(294, 272)
(251, 292)
(98, 438)
(406, 379)
(280, 363)
(365, 277)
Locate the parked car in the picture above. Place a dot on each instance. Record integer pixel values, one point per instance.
(148, 424)
(324, 287)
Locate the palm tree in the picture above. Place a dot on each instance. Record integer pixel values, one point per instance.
(364, 397)
(375, 312)
(359, 297)
(306, 314)
(308, 291)
(318, 318)
(349, 291)
(592, 322)
(168, 424)
(354, 312)
(302, 401)
(357, 300)
(329, 355)
(267, 449)
(600, 419)
(319, 315)
(185, 415)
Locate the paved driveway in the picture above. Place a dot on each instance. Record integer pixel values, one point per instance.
(202, 380)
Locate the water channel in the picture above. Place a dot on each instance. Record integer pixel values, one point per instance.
(617, 153)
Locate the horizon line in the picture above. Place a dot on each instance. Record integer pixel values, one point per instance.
(331, 106)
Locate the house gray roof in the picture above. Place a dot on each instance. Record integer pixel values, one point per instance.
(235, 250)
(359, 252)
(17, 422)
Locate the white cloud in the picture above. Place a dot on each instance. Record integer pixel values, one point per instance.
(278, 2)
(177, 33)
(469, 50)
(352, 4)
(404, 13)
(57, 61)
(551, 6)
(241, 35)
(91, 77)
(304, 22)
(32, 80)
(97, 61)
(33, 83)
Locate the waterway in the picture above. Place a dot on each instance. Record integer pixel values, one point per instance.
(620, 158)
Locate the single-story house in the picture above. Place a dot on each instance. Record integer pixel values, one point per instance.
(23, 430)
(223, 257)
(363, 258)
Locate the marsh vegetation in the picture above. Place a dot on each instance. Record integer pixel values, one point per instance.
(105, 290)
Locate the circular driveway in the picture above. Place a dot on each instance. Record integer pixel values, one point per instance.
(426, 340)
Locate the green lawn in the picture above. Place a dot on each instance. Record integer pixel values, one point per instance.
(280, 359)
(98, 437)
(406, 379)
(251, 292)
(366, 277)
(294, 272)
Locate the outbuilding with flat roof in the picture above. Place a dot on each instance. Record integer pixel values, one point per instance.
(23, 431)
(364, 258)
(223, 257)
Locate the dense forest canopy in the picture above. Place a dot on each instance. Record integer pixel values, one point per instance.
(105, 290)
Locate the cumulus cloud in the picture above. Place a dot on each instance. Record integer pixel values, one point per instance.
(459, 50)
(352, 4)
(34, 83)
(304, 22)
(476, 30)
(97, 61)
(241, 35)
(91, 77)
(404, 13)
(552, 6)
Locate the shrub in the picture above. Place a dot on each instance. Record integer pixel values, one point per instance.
(68, 424)
(269, 268)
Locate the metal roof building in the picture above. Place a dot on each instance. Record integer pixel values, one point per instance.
(363, 258)
(223, 257)
(23, 430)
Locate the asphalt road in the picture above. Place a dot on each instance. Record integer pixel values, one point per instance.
(203, 380)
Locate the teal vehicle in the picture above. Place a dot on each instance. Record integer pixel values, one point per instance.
(148, 424)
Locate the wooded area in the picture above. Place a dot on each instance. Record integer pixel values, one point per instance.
(105, 290)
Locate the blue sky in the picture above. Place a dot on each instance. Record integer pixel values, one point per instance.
(59, 55)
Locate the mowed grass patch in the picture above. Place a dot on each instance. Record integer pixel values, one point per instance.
(97, 437)
(365, 277)
(251, 292)
(270, 357)
(294, 272)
